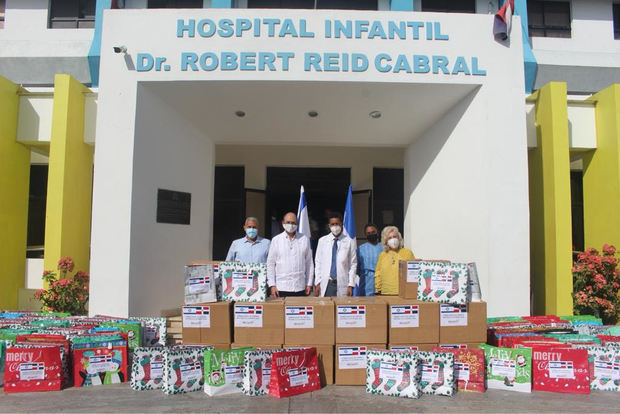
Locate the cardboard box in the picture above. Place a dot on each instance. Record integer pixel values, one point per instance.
(411, 347)
(259, 323)
(463, 323)
(207, 324)
(219, 347)
(309, 320)
(361, 320)
(408, 275)
(350, 367)
(325, 354)
(411, 321)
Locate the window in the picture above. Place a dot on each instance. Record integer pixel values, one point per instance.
(549, 18)
(2, 7)
(176, 4)
(449, 6)
(616, 21)
(72, 14)
(314, 4)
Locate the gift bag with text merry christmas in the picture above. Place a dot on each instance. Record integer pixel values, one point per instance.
(294, 372)
(560, 370)
(33, 369)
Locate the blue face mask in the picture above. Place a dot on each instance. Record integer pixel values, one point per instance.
(251, 232)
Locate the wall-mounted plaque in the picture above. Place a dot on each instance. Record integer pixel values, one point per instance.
(173, 206)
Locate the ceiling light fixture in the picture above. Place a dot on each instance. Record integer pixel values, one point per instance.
(313, 114)
(240, 114)
(375, 114)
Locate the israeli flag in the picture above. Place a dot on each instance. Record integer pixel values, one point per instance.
(349, 229)
(303, 224)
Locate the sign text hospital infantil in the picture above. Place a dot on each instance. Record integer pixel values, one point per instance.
(313, 61)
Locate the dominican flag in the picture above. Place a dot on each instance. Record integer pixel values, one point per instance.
(303, 224)
(503, 20)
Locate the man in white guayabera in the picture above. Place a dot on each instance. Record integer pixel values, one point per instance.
(290, 269)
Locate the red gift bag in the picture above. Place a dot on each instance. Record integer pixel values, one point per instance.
(33, 369)
(294, 372)
(560, 370)
(469, 368)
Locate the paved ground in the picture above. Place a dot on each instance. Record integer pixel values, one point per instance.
(120, 398)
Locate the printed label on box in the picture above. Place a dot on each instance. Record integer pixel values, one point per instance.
(561, 369)
(301, 317)
(233, 374)
(157, 369)
(430, 373)
(504, 368)
(196, 317)
(352, 357)
(199, 284)
(453, 315)
(607, 369)
(242, 280)
(391, 371)
(406, 348)
(404, 316)
(413, 272)
(32, 371)
(298, 376)
(454, 346)
(191, 371)
(248, 316)
(266, 373)
(461, 371)
(441, 282)
(351, 316)
(101, 363)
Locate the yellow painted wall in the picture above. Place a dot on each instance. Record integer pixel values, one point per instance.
(69, 187)
(550, 204)
(14, 183)
(601, 174)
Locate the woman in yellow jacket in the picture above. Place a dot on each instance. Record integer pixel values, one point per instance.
(386, 272)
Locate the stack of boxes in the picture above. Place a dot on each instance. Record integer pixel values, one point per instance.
(341, 329)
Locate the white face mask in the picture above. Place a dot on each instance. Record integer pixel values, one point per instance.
(290, 228)
(335, 230)
(393, 243)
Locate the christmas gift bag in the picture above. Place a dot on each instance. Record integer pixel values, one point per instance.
(243, 282)
(100, 365)
(294, 372)
(443, 282)
(604, 364)
(201, 283)
(33, 368)
(469, 368)
(224, 371)
(393, 373)
(67, 375)
(560, 370)
(183, 369)
(257, 371)
(508, 368)
(147, 368)
(154, 331)
(133, 329)
(437, 373)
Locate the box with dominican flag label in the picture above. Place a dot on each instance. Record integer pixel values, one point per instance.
(309, 321)
(460, 324)
(259, 323)
(361, 320)
(207, 324)
(412, 322)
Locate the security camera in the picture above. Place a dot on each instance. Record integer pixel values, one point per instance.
(120, 49)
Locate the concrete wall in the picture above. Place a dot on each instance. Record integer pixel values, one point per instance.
(160, 250)
(32, 54)
(256, 159)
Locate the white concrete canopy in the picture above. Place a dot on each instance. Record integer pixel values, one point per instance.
(276, 112)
